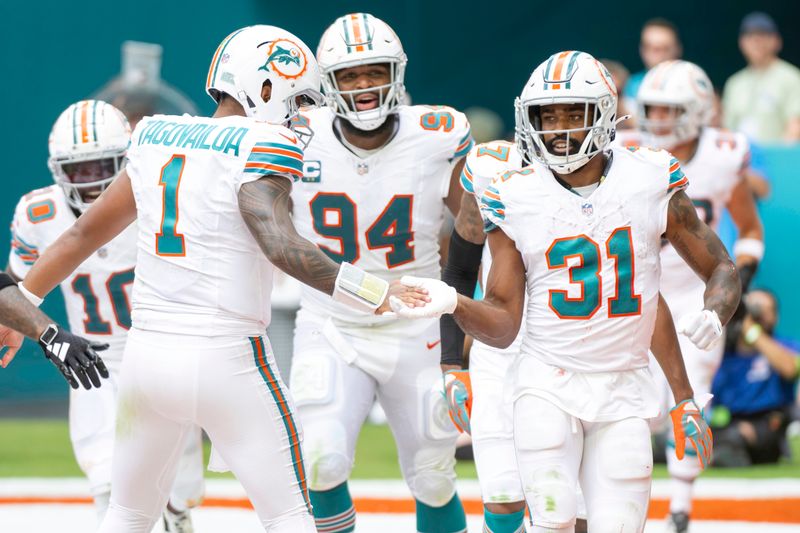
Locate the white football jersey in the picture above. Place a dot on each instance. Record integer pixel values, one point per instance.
(382, 213)
(716, 168)
(98, 294)
(485, 162)
(200, 271)
(592, 264)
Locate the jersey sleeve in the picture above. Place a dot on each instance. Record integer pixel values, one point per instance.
(493, 208)
(485, 162)
(24, 249)
(274, 153)
(676, 181)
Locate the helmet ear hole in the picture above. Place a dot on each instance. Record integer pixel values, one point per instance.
(266, 91)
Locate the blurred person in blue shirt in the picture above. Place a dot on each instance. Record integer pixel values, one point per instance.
(754, 387)
(659, 42)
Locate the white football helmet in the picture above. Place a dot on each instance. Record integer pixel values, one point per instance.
(252, 56)
(356, 40)
(87, 149)
(685, 89)
(566, 78)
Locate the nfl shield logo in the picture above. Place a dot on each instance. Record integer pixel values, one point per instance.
(587, 210)
(362, 168)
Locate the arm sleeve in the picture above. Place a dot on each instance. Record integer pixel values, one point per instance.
(460, 272)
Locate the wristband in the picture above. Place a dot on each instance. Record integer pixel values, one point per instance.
(751, 247)
(358, 289)
(6, 281)
(32, 298)
(753, 333)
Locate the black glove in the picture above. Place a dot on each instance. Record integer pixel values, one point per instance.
(74, 355)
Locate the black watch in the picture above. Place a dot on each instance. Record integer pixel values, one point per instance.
(49, 335)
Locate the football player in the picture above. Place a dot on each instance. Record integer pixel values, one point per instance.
(676, 105)
(87, 148)
(378, 177)
(208, 196)
(578, 232)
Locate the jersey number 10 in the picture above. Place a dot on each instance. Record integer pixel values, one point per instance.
(586, 274)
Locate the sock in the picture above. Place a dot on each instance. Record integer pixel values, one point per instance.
(333, 509)
(503, 523)
(681, 495)
(449, 518)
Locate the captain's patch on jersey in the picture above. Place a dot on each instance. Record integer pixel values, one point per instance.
(312, 171)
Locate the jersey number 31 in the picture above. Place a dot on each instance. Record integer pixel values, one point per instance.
(586, 273)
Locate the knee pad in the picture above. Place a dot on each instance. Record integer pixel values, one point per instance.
(552, 498)
(620, 518)
(327, 470)
(630, 470)
(433, 478)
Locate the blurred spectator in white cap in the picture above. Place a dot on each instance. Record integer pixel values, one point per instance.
(659, 42)
(763, 99)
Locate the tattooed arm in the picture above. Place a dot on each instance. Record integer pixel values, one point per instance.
(702, 250)
(266, 208)
(17, 313)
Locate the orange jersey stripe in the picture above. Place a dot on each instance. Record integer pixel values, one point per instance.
(683, 181)
(278, 168)
(491, 195)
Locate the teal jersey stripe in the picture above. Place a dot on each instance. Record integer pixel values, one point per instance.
(283, 406)
(676, 172)
(464, 151)
(466, 180)
(222, 52)
(465, 137)
(280, 146)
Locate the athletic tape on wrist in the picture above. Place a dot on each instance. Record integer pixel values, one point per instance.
(32, 298)
(751, 247)
(358, 289)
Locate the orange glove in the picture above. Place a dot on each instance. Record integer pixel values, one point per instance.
(458, 393)
(688, 423)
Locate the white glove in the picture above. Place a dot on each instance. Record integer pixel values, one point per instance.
(703, 328)
(444, 299)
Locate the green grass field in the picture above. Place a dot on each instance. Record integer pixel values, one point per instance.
(41, 448)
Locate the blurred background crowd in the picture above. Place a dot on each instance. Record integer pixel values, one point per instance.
(476, 62)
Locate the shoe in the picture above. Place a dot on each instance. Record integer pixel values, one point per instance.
(177, 522)
(677, 523)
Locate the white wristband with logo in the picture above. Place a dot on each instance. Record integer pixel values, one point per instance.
(32, 298)
(358, 289)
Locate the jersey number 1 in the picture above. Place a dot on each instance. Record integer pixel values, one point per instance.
(168, 241)
(586, 274)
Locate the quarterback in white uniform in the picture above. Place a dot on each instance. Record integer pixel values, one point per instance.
(676, 103)
(87, 148)
(579, 233)
(378, 178)
(209, 195)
